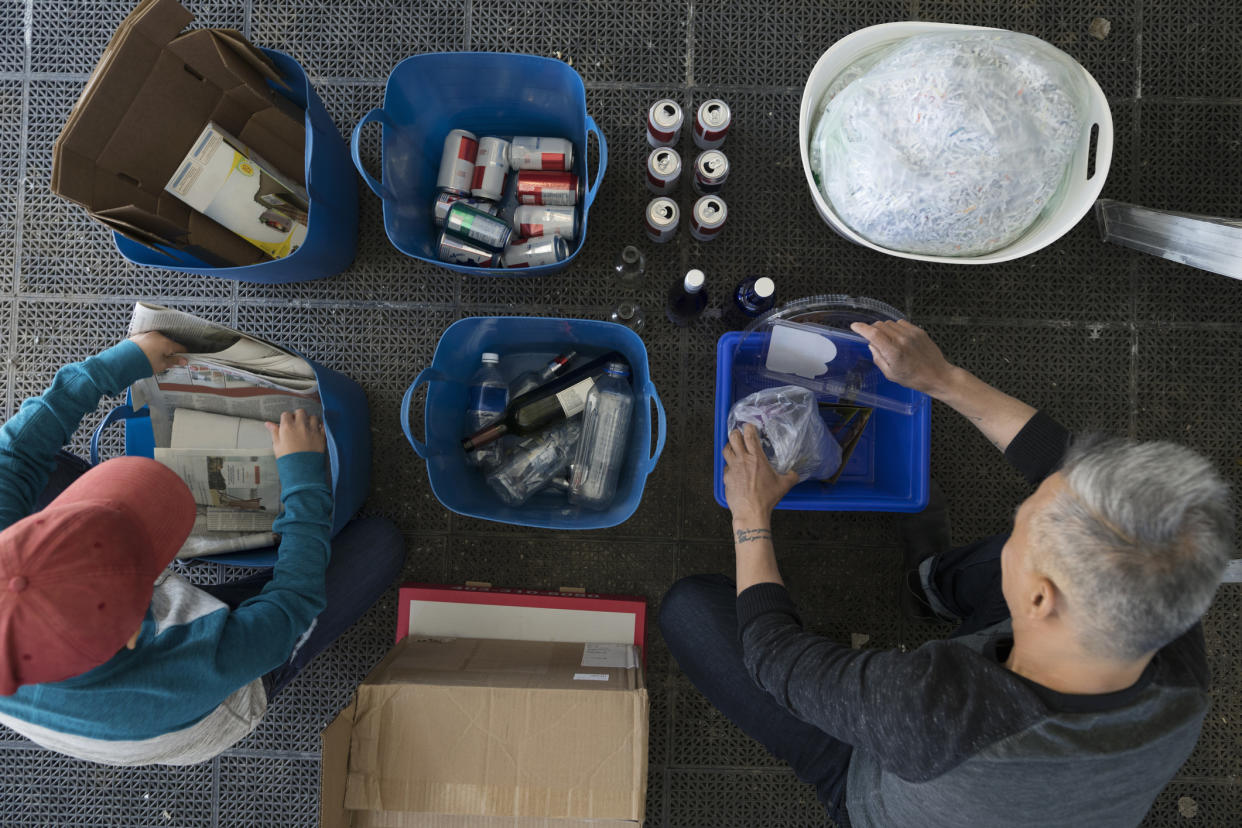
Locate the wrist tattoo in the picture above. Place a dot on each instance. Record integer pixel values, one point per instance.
(745, 535)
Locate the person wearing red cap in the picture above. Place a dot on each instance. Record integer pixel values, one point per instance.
(108, 655)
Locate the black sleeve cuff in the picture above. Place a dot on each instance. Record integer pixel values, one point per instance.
(761, 599)
(1037, 449)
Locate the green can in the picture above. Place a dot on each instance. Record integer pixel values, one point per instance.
(474, 225)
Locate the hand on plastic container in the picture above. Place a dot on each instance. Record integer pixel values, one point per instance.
(297, 431)
(752, 486)
(906, 355)
(163, 353)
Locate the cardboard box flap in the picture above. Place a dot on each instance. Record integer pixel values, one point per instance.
(333, 767)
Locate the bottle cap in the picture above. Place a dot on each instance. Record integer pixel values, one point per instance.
(694, 280)
(764, 287)
(491, 359)
(618, 368)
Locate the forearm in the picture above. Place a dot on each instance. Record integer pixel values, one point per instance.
(755, 554)
(999, 416)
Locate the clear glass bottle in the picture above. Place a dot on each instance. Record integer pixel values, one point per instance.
(628, 314)
(605, 437)
(535, 462)
(487, 400)
(531, 380)
(687, 298)
(630, 266)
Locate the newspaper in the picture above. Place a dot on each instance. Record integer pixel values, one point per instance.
(227, 478)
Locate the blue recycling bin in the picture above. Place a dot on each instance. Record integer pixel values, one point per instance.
(332, 224)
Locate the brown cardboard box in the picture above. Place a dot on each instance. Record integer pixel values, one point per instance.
(150, 96)
(478, 733)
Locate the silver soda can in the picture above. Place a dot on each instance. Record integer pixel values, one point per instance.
(711, 124)
(460, 251)
(662, 218)
(466, 222)
(663, 170)
(457, 162)
(664, 123)
(532, 220)
(711, 169)
(541, 250)
(445, 200)
(541, 154)
(707, 217)
(553, 189)
(491, 168)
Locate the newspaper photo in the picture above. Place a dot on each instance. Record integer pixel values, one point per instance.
(247, 482)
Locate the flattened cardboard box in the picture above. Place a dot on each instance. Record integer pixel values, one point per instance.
(479, 733)
(148, 99)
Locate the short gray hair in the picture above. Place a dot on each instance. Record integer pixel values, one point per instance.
(1137, 542)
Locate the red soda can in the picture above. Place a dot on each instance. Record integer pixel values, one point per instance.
(553, 189)
(541, 250)
(527, 153)
(663, 170)
(533, 220)
(664, 123)
(711, 124)
(457, 162)
(707, 217)
(446, 200)
(491, 168)
(459, 251)
(662, 217)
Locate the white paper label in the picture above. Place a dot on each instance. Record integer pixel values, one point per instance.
(608, 655)
(573, 398)
(590, 677)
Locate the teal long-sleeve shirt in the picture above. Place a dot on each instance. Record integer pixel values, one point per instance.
(191, 687)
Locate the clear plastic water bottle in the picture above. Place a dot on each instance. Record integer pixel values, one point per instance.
(487, 400)
(535, 462)
(605, 436)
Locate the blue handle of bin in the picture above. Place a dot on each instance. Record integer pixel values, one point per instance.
(374, 115)
(661, 428)
(593, 128)
(420, 448)
(121, 412)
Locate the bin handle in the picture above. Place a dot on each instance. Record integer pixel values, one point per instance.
(376, 114)
(425, 376)
(662, 428)
(592, 127)
(125, 411)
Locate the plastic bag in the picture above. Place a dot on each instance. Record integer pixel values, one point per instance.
(950, 144)
(791, 431)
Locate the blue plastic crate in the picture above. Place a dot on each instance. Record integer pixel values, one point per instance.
(888, 471)
(486, 93)
(461, 487)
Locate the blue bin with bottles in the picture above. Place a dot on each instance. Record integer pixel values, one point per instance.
(889, 470)
(486, 93)
(332, 222)
(527, 343)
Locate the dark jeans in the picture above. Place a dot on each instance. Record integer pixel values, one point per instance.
(367, 556)
(698, 618)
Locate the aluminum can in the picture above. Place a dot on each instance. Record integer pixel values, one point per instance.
(491, 168)
(541, 154)
(541, 250)
(457, 162)
(664, 123)
(707, 217)
(711, 124)
(477, 226)
(663, 170)
(531, 220)
(552, 189)
(445, 200)
(711, 169)
(459, 251)
(662, 217)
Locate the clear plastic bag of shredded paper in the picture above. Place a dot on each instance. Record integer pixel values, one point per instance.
(791, 431)
(950, 144)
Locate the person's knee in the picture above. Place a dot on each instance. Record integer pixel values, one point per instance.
(687, 598)
(382, 540)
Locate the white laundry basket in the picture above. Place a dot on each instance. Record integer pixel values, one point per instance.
(1079, 197)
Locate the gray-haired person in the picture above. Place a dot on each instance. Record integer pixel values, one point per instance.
(1076, 682)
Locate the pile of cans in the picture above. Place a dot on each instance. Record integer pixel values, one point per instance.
(711, 168)
(485, 221)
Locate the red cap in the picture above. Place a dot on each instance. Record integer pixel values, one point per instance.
(76, 578)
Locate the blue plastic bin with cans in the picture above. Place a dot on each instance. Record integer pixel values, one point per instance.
(459, 486)
(486, 93)
(332, 222)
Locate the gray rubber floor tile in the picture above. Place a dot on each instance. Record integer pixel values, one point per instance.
(1190, 49)
(1190, 156)
(268, 791)
(741, 799)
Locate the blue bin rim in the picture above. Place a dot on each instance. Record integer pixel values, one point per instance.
(648, 392)
(377, 187)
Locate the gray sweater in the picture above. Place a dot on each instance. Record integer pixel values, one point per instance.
(945, 735)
